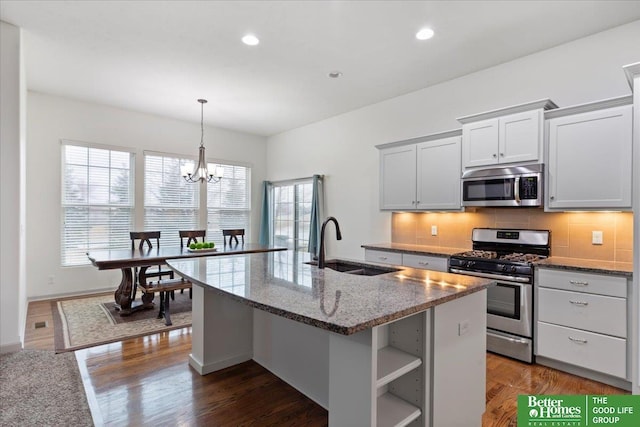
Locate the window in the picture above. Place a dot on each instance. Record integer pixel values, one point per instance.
(229, 202)
(170, 203)
(292, 214)
(97, 200)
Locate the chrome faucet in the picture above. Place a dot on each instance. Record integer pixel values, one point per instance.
(321, 255)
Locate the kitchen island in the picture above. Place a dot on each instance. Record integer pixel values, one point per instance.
(401, 348)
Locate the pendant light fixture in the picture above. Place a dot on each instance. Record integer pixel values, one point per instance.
(203, 171)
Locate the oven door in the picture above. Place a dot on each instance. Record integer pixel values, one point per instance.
(509, 308)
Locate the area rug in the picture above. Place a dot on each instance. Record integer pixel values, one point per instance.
(91, 321)
(41, 388)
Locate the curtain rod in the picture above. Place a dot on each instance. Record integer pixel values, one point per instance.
(285, 181)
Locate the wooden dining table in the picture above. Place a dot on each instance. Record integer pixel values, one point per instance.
(126, 260)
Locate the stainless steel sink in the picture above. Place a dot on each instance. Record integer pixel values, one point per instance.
(356, 268)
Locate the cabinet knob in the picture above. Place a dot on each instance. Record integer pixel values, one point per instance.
(494, 155)
(417, 202)
(501, 154)
(552, 197)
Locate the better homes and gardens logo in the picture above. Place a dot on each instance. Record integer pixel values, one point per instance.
(578, 411)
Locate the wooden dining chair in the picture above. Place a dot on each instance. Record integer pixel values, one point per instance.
(144, 241)
(191, 236)
(233, 235)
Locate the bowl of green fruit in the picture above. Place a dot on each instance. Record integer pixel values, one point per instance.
(202, 247)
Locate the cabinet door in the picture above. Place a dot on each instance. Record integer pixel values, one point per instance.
(590, 160)
(480, 143)
(398, 178)
(520, 137)
(438, 174)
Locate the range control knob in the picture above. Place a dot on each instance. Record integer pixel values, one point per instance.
(514, 268)
(470, 264)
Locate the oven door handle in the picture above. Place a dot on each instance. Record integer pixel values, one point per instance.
(490, 276)
(513, 340)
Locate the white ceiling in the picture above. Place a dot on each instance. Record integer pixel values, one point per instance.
(160, 56)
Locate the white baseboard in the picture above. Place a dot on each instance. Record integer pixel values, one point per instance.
(10, 348)
(204, 369)
(71, 294)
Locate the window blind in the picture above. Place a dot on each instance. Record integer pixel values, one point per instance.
(229, 202)
(170, 203)
(97, 200)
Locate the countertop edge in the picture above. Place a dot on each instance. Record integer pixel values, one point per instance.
(331, 327)
(413, 249)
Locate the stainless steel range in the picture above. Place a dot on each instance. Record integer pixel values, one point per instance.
(507, 256)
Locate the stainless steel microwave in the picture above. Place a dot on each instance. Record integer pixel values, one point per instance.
(504, 186)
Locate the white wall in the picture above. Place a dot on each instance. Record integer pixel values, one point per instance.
(12, 293)
(50, 119)
(342, 147)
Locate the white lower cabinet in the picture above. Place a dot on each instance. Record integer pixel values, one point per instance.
(383, 257)
(582, 320)
(425, 262)
(598, 352)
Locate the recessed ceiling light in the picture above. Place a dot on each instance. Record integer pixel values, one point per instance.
(424, 34)
(250, 40)
(335, 74)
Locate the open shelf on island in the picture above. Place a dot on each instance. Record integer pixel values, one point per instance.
(393, 363)
(393, 411)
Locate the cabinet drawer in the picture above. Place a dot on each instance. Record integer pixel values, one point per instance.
(596, 313)
(426, 262)
(384, 257)
(598, 352)
(601, 284)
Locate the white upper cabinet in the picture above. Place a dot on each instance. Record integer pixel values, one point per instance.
(505, 136)
(590, 156)
(421, 173)
(438, 174)
(398, 178)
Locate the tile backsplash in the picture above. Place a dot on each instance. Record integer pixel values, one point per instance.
(571, 232)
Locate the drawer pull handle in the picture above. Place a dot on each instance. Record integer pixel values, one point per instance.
(578, 340)
(423, 263)
(582, 303)
(382, 257)
(578, 283)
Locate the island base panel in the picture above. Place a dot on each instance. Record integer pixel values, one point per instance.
(221, 333)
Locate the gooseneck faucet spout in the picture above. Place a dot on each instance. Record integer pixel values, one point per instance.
(321, 255)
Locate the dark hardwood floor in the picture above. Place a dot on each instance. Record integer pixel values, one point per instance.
(147, 381)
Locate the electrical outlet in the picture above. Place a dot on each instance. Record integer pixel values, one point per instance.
(434, 230)
(51, 280)
(463, 327)
(596, 237)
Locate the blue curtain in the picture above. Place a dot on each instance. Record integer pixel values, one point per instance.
(265, 218)
(317, 213)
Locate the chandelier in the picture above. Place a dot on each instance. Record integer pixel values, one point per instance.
(203, 171)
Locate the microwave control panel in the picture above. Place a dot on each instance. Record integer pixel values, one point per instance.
(529, 187)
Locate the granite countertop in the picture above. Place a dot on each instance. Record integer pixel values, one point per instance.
(414, 249)
(588, 265)
(283, 284)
